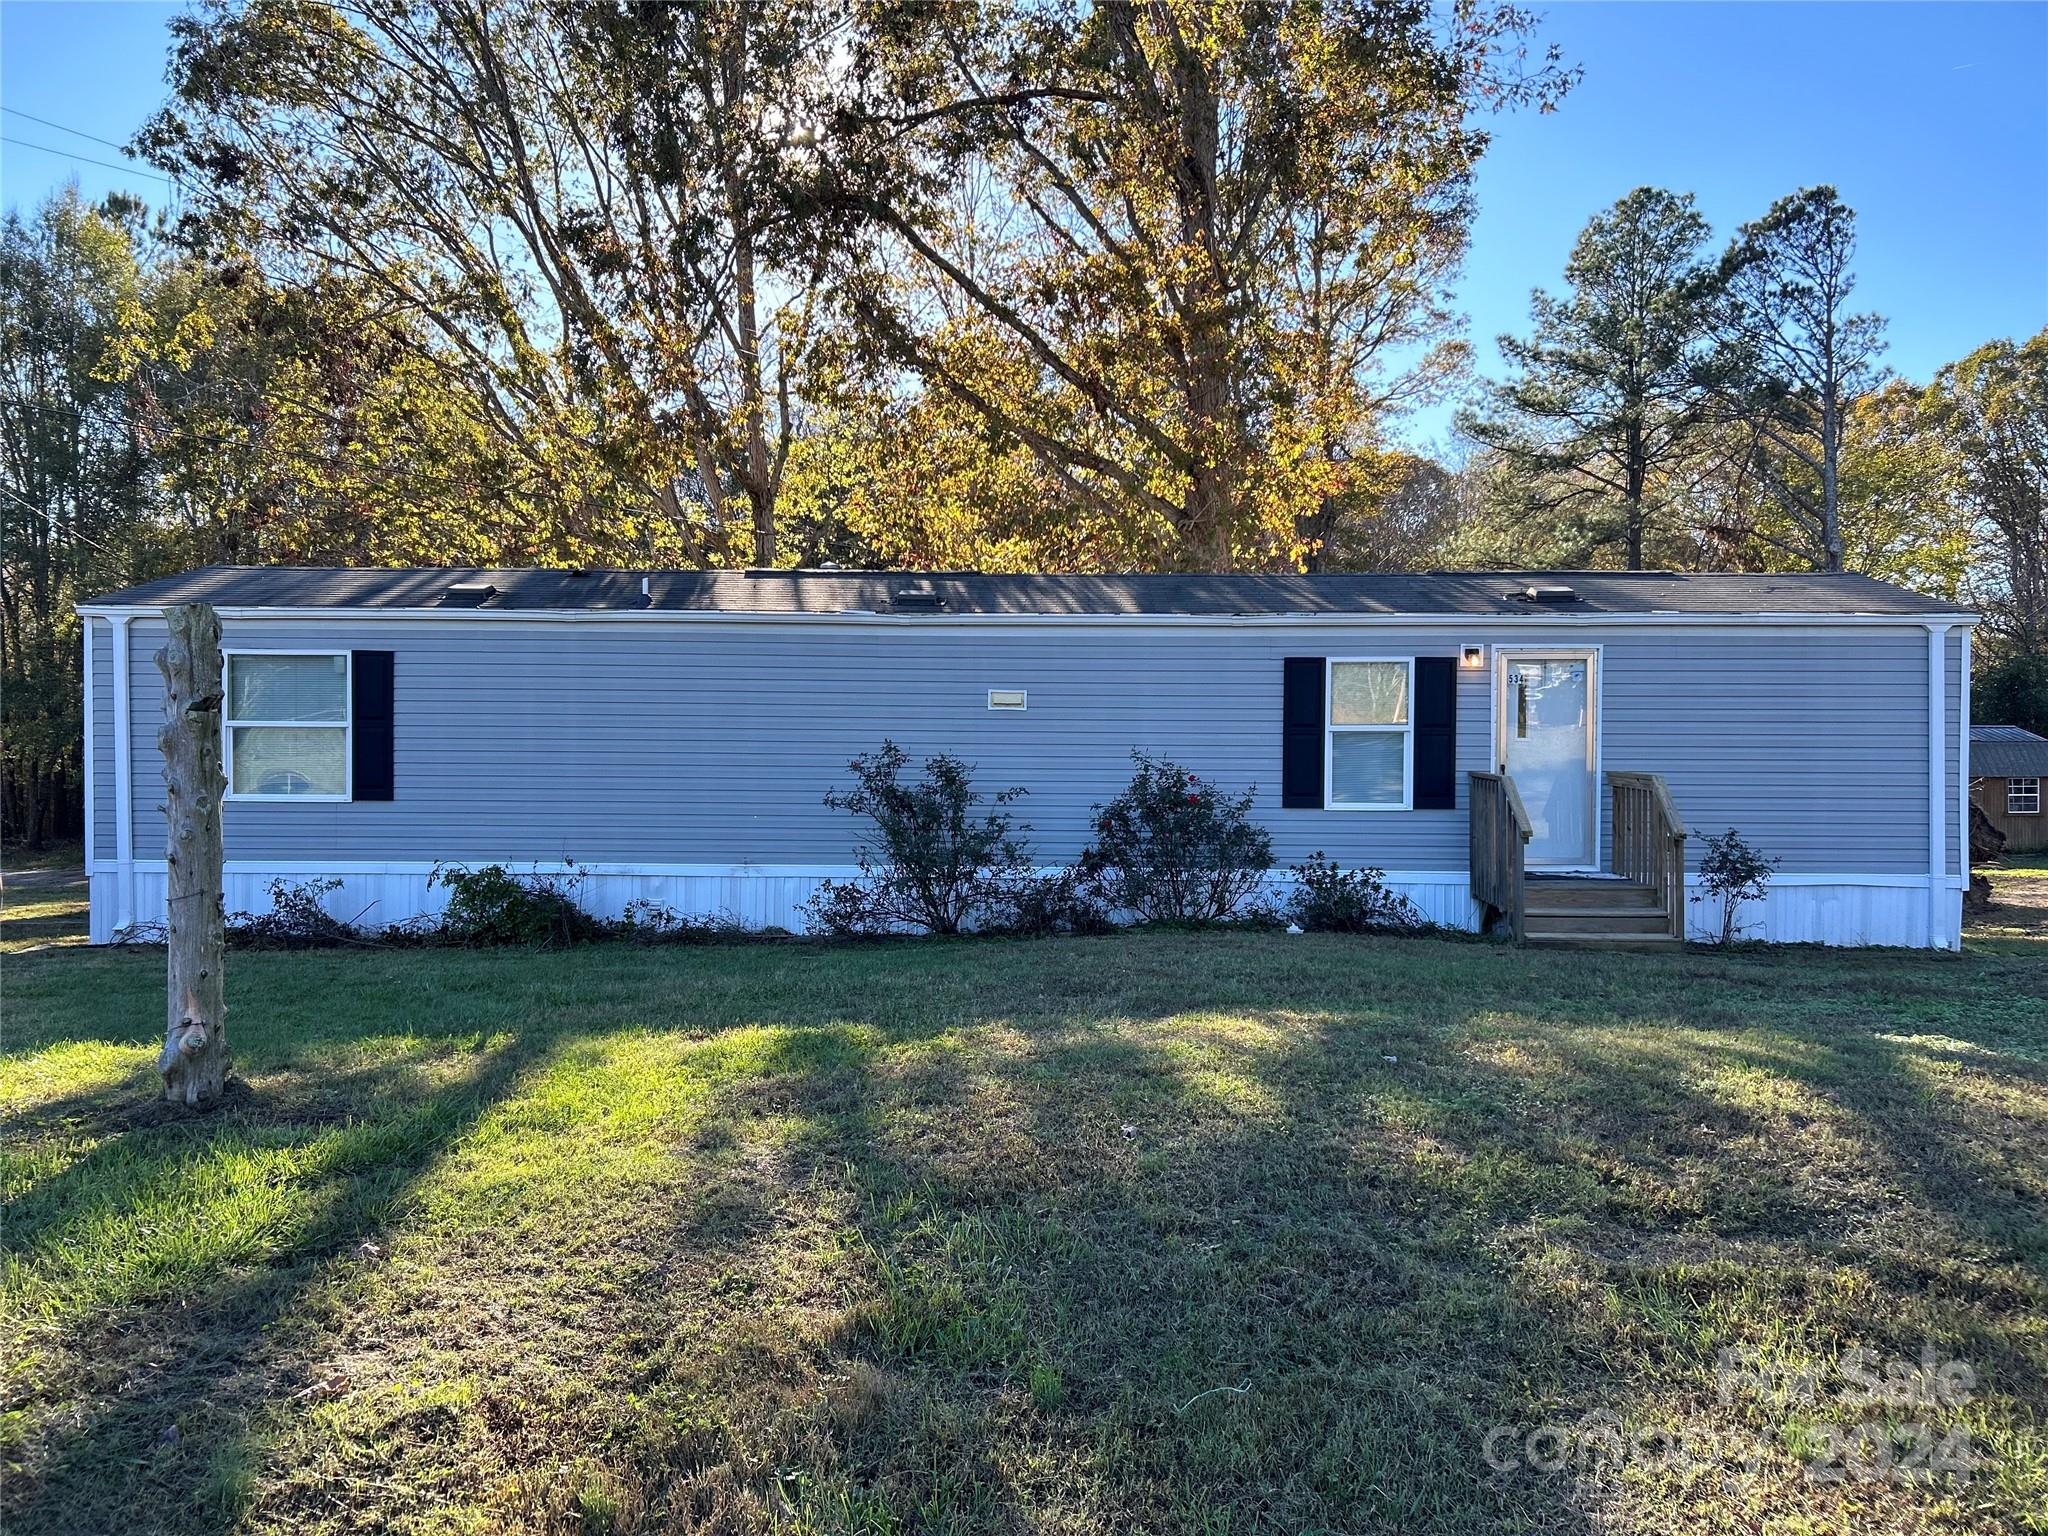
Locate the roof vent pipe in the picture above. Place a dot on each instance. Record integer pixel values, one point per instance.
(646, 599)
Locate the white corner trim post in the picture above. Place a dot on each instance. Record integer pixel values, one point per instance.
(1937, 784)
(1963, 766)
(124, 783)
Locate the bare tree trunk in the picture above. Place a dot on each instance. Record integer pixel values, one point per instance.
(194, 1063)
(1636, 479)
(733, 90)
(1831, 549)
(32, 803)
(1205, 537)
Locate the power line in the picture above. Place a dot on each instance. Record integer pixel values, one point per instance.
(76, 133)
(65, 154)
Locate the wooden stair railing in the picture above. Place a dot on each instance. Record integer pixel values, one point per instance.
(1649, 841)
(1499, 833)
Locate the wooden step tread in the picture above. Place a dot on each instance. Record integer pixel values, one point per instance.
(1573, 910)
(1652, 925)
(1619, 901)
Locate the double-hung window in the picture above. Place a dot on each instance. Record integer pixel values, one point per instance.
(1370, 737)
(287, 725)
(2022, 797)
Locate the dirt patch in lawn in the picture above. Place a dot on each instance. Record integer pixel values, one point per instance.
(2018, 918)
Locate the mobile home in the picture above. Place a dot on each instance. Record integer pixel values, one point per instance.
(1503, 744)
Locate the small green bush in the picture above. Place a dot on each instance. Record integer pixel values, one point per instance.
(1173, 848)
(1043, 903)
(930, 861)
(1330, 899)
(298, 919)
(492, 905)
(1732, 872)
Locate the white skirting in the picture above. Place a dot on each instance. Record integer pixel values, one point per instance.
(1800, 909)
(1851, 910)
(378, 895)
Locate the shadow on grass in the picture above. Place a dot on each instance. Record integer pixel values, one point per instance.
(1306, 1301)
(176, 1371)
(1148, 1290)
(1192, 1235)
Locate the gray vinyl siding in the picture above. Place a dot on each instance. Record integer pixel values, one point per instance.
(663, 743)
(1813, 746)
(101, 736)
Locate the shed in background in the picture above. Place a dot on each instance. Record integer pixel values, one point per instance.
(2008, 766)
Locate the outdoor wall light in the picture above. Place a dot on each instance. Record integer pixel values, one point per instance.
(1472, 657)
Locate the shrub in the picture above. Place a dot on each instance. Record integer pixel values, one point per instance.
(492, 905)
(298, 919)
(930, 860)
(1327, 899)
(1036, 905)
(1732, 872)
(1175, 849)
(652, 922)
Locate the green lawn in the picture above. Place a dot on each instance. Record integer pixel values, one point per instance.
(42, 915)
(1152, 1233)
(57, 855)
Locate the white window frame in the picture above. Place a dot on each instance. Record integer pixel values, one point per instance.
(1331, 730)
(346, 725)
(2014, 783)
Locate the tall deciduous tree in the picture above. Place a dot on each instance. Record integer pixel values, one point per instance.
(1608, 393)
(1900, 514)
(1169, 248)
(1398, 513)
(72, 483)
(580, 206)
(1992, 408)
(1798, 359)
(302, 424)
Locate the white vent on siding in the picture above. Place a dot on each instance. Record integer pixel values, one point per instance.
(1006, 698)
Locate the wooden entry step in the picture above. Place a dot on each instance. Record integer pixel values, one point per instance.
(1565, 912)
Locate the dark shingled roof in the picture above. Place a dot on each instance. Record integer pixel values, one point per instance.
(1454, 592)
(2007, 752)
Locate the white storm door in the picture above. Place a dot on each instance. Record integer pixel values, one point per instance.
(1549, 745)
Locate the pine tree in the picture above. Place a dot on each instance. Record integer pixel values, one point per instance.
(1610, 386)
(1795, 359)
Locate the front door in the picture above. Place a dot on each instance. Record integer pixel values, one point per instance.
(1548, 744)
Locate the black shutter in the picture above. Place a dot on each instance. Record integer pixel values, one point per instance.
(1301, 733)
(370, 725)
(1436, 733)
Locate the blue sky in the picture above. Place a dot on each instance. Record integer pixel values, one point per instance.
(1931, 118)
